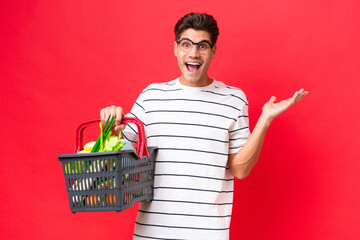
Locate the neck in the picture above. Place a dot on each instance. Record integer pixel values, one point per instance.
(200, 83)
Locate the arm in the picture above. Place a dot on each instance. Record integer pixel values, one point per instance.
(244, 160)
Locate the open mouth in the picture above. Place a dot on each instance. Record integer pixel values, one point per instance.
(192, 66)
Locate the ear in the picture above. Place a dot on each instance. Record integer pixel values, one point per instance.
(175, 48)
(213, 51)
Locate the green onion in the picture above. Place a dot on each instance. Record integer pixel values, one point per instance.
(104, 131)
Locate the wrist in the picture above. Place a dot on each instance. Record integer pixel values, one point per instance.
(265, 120)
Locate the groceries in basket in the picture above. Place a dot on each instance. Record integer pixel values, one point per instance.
(106, 142)
(111, 175)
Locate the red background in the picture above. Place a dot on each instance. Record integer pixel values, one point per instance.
(62, 61)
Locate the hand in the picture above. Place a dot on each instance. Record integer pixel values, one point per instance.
(271, 109)
(117, 112)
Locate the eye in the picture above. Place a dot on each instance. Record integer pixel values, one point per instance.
(186, 44)
(203, 46)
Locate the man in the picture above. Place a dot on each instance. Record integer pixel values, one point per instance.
(201, 129)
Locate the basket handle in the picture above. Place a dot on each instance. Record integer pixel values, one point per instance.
(142, 143)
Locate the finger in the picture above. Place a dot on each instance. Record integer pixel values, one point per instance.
(301, 95)
(302, 92)
(107, 110)
(118, 115)
(112, 111)
(293, 98)
(122, 126)
(107, 113)
(102, 114)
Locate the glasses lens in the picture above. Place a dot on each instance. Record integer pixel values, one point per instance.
(203, 46)
(186, 45)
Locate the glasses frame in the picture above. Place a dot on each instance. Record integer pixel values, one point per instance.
(194, 43)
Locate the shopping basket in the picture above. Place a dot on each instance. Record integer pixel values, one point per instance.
(109, 181)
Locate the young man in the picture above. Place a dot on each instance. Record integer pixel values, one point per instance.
(201, 129)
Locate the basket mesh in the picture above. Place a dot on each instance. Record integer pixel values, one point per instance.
(107, 181)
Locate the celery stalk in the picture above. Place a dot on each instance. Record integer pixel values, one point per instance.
(101, 138)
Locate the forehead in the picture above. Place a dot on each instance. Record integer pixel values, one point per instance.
(195, 35)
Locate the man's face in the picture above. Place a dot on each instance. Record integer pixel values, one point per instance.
(194, 64)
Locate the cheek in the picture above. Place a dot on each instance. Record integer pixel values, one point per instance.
(180, 56)
(207, 61)
(179, 61)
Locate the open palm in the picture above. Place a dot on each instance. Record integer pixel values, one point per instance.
(272, 109)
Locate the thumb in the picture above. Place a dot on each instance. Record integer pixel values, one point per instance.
(272, 99)
(120, 127)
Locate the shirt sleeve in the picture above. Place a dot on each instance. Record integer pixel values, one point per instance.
(239, 132)
(137, 111)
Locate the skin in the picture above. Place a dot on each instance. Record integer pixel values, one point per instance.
(199, 78)
(244, 160)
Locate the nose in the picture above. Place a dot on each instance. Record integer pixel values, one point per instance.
(194, 52)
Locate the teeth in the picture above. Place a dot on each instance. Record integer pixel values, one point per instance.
(193, 63)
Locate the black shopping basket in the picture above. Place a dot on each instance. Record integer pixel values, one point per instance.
(109, 181)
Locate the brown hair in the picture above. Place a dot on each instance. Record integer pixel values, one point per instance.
(197, 21)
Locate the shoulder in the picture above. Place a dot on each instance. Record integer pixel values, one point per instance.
(231, 91)
(161, 87)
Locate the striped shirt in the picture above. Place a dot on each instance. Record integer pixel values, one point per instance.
(194, 129)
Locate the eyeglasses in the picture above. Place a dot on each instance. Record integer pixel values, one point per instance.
(186, 45)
